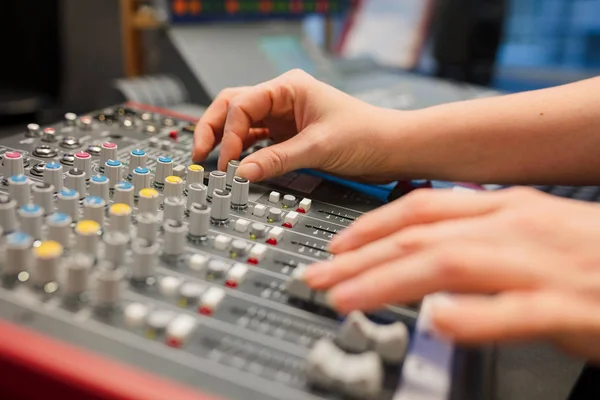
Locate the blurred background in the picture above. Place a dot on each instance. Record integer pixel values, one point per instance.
(81, 55)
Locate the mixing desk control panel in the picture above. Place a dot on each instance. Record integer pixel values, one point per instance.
(114, 242)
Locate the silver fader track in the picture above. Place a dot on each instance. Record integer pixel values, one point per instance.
(114, 242)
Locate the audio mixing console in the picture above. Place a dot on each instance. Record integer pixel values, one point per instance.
(115, 245)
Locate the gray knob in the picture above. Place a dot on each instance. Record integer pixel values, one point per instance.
(199, 220)
(258, 230)
(174, 208)
(141, 179)
(144, 259)
(175, 233)
(148, 201)
(76, 180)
(239, 193)
(164, 168)
(13, 163)
(108, 285)
(196, 194)
(195, 174)
(137, 158)
(33, 131)
(70, 119)
(216, 181)
(85, 123)
(115, 245)
(68, 203)
(173, 186)
(113, 169)
(216, 269)
(19, 188)
(289, 201)
(94, 209)
(87, 237)
(120, 218)
(274, 214)
(53, 175)
(59, 228)
(108, 151)
(83, 162)
(77, 273)
(99, 187)
(238, 248)
(123, 193)
(147, 226)
(19, 252)
(49, 135)
(47, 256)
(221, 204)
(31, 219)
(8, 214)
(43, 194)
(232, 167)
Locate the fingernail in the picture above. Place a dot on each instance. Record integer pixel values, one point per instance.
(250, 171)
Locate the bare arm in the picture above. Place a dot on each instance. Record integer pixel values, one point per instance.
(544, 136)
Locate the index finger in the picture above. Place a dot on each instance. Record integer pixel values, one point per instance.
(209, 129)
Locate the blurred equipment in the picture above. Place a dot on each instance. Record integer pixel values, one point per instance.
(29, 72)
(466, 38)
(130, 273)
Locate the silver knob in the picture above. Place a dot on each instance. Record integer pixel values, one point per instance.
(75, 179)
(70, 119)
(216, 181)
(174, 208)
(53, 175)
(94, 209)
(33, 131)
(199, 220)
(83, 162)
(196, 194)
(175, 233)
(232, 167)
(144, 259)
(49, 135)
(148, 201)
(124, 193)
(43, 194)
(274, 214)
(221, 203)
(147, 226)
(8, 214)
(31, 219)
(195, 174)
(59, 228)
(289, 201)
(258, 230)
(240, 190)
(19, 188)
(68, 203)
(173, 187)
(85, 123)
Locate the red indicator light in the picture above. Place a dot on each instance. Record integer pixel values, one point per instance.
(231, 284)
(252, 261)
(301, 210)
(287, 225)
(205, 311)
(272, 241)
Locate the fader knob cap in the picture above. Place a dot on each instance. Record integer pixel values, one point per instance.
(19, 188)
(53, 175)
(221, 204)
(13, 163)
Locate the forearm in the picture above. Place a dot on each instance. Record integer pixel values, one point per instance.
(550, 135)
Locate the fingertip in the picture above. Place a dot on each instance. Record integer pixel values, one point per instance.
(318, 275)
(251, 171)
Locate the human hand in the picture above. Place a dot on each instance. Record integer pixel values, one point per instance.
(523, 265)
(313, 124)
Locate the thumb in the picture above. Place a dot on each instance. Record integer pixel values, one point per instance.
(298, 152)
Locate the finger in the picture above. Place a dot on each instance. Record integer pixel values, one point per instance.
(461, 267)
(273, 98)
(301, 151)
(349, 264)
(515, 316)
(209, 129)
(422, 206)
(255, 135)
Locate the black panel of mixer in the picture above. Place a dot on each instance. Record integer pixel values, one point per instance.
(115, 242)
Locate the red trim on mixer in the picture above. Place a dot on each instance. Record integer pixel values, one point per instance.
(158, 110)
